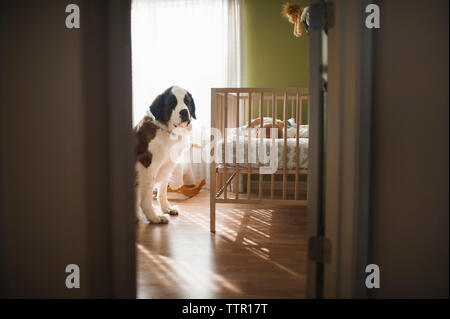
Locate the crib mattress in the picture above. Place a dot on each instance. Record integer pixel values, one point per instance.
(254, 153)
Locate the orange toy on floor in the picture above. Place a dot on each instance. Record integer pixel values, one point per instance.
(186, 190)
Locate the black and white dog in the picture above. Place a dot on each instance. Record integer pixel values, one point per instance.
(157, 137)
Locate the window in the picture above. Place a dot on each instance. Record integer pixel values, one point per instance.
(191, 43)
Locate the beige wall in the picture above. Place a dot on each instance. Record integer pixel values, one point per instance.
(409, 215)
(54, 146)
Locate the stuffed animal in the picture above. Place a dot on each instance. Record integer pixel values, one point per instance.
(297, 16)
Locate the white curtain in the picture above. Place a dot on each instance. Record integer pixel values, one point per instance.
(195, 44)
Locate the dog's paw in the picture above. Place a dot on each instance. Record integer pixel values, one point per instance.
(171, 211)
(159, 220)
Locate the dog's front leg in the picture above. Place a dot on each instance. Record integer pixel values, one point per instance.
(147, 198)
(163, 176)
(163, 202)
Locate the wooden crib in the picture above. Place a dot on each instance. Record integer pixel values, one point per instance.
(243, 183)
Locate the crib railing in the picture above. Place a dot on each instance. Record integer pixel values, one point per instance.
(235, 107)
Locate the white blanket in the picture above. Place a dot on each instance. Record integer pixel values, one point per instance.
(254, 154)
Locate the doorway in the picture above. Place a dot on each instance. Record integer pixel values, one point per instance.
(258, 251)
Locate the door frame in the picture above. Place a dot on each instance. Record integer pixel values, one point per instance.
(121, 150)
(348, 148)
(314, 270)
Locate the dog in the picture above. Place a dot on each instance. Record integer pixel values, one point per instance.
(159, 142)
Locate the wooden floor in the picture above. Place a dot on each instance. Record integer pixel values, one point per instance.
(257, 252)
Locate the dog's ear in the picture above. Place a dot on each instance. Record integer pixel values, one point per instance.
(157, 108)
(191, 106)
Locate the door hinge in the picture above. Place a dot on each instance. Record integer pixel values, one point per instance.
(319, 249)
(322, 16)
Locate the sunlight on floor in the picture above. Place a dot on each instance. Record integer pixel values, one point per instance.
(186, 260)
(171, 271)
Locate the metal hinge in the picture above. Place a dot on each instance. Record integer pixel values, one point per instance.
(322, 16)
(319, 249)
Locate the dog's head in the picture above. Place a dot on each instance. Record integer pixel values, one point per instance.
(175, 107)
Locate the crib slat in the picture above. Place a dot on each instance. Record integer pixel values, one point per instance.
(249, 175)
(212, 168)
(225, 176)
(297, 147)
(261, 129)
(285, 145)
(292, 108)
(274, 115)
(307, 108)
(236, 187)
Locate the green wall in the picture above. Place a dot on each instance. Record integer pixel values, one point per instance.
(273, 56)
